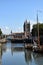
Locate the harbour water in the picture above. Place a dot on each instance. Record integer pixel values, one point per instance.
(16, 54)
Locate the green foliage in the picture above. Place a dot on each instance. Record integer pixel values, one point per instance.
(35, 29)
(0, 32)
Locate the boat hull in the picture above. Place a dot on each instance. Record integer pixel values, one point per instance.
(38, 50)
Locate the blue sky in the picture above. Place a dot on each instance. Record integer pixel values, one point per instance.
(13, 13)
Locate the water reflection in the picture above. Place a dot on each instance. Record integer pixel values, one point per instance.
(17, 48)
(28, 57)
(10, 54)
(38, 58)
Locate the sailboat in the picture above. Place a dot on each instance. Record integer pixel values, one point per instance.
(38, 48)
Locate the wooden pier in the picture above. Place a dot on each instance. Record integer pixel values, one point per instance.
(21, 40)
(3, 40)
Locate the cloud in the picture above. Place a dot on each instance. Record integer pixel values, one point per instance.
(7, 28)
(17, 28)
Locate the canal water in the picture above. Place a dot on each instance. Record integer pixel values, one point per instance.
(16, 54)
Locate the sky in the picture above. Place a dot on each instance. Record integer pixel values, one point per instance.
(13, 14)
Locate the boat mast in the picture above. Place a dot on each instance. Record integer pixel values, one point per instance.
(38, 30)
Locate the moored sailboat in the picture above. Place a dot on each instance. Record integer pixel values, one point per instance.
(38, 48)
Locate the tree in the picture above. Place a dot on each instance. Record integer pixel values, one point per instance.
(35, 29)
(0, 32)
